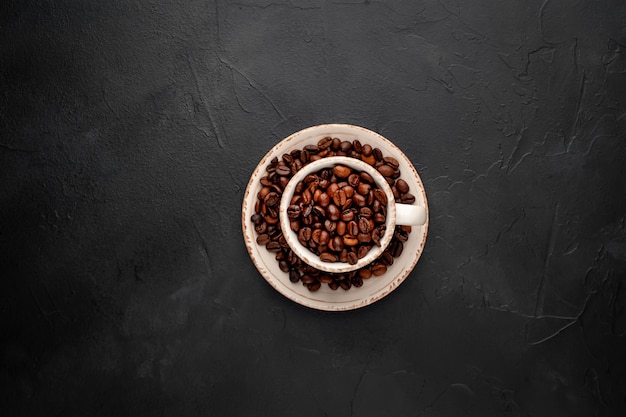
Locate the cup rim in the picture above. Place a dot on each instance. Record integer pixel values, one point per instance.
(305, 254)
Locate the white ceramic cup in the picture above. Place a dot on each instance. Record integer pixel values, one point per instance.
(397, 214)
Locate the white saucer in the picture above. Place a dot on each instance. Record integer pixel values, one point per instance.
(373, 289)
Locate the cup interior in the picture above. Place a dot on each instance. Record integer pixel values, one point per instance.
(292, 238)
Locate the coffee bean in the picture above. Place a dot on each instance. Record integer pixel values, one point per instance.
(345, 284)
(330, 226)
(325, 142)
(364, 237)
(366, 212)
(339, 198)
(379, 218)
(273, 246)
(348, 215)
(397, 249)
(364, 188)
(356, 281)
(363, 251)
(407, 198)
(353, 228)
(328, 257)
(294, 211)
(346, 146)
(333, 285)
(364, 225)
(342, 171)
(314, 286)
(305, 234)
(350, 240)
(324, 199)
(284, 266)
(380, 196)
(354, 180)
(294, 276)
(365, 177)
(341, 228)
(365, 273)
(391, 161)
(386, 170)
(336, 244)
(307, 279)
(378, 269)
(376, 237)
(263, 239)
(402, 186)
(386, 258)
(283, 170)
(352, 258)
(333, 213)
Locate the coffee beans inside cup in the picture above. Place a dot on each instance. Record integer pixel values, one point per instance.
(326, 227)
(338, 214)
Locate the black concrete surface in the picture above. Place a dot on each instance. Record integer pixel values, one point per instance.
(129, 130)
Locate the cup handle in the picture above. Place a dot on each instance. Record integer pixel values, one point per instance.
(410, 215)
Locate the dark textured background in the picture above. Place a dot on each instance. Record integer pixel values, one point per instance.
(129, 130)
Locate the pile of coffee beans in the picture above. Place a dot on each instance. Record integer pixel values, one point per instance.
(267, 226)
(338, 214)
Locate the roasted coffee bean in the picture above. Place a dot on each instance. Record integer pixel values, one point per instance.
(342, 171)
(397, 249)
(284, 266)
(319, 212)
(356, 145)
(364, 188)
(407, 198)
(305, 234)
(256, 219)
(352, 258)
(356, 281)
(354, 180)
(348, 215)
(379, 218)
(386, 258)
(363, 251)
(364, 273)
(325, 278)
(365, 177)
(293, 211)
(314, 286)
(336, 244)
(328, 257)
(381, 196)
(366, 150)
(376, 237)
(364, 225)
(294, 276)
(402, 186)
(263, 239)
(261, 228)
(386, 170)
(401, 235)
(333, 212)
(364, 237)
(307, 279)
(366, 212)
(324, 199)
(391, 161)
(325, 142)
(353, 228)
(341, 228)
(378, 154)
(345, 284)
(339, 198)
(350, 240)
(333, 285)
(359, 200)
(283, 170)
(378, 269)
(330, 226)
(311, 148)
(346, 146)
(273, 246)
